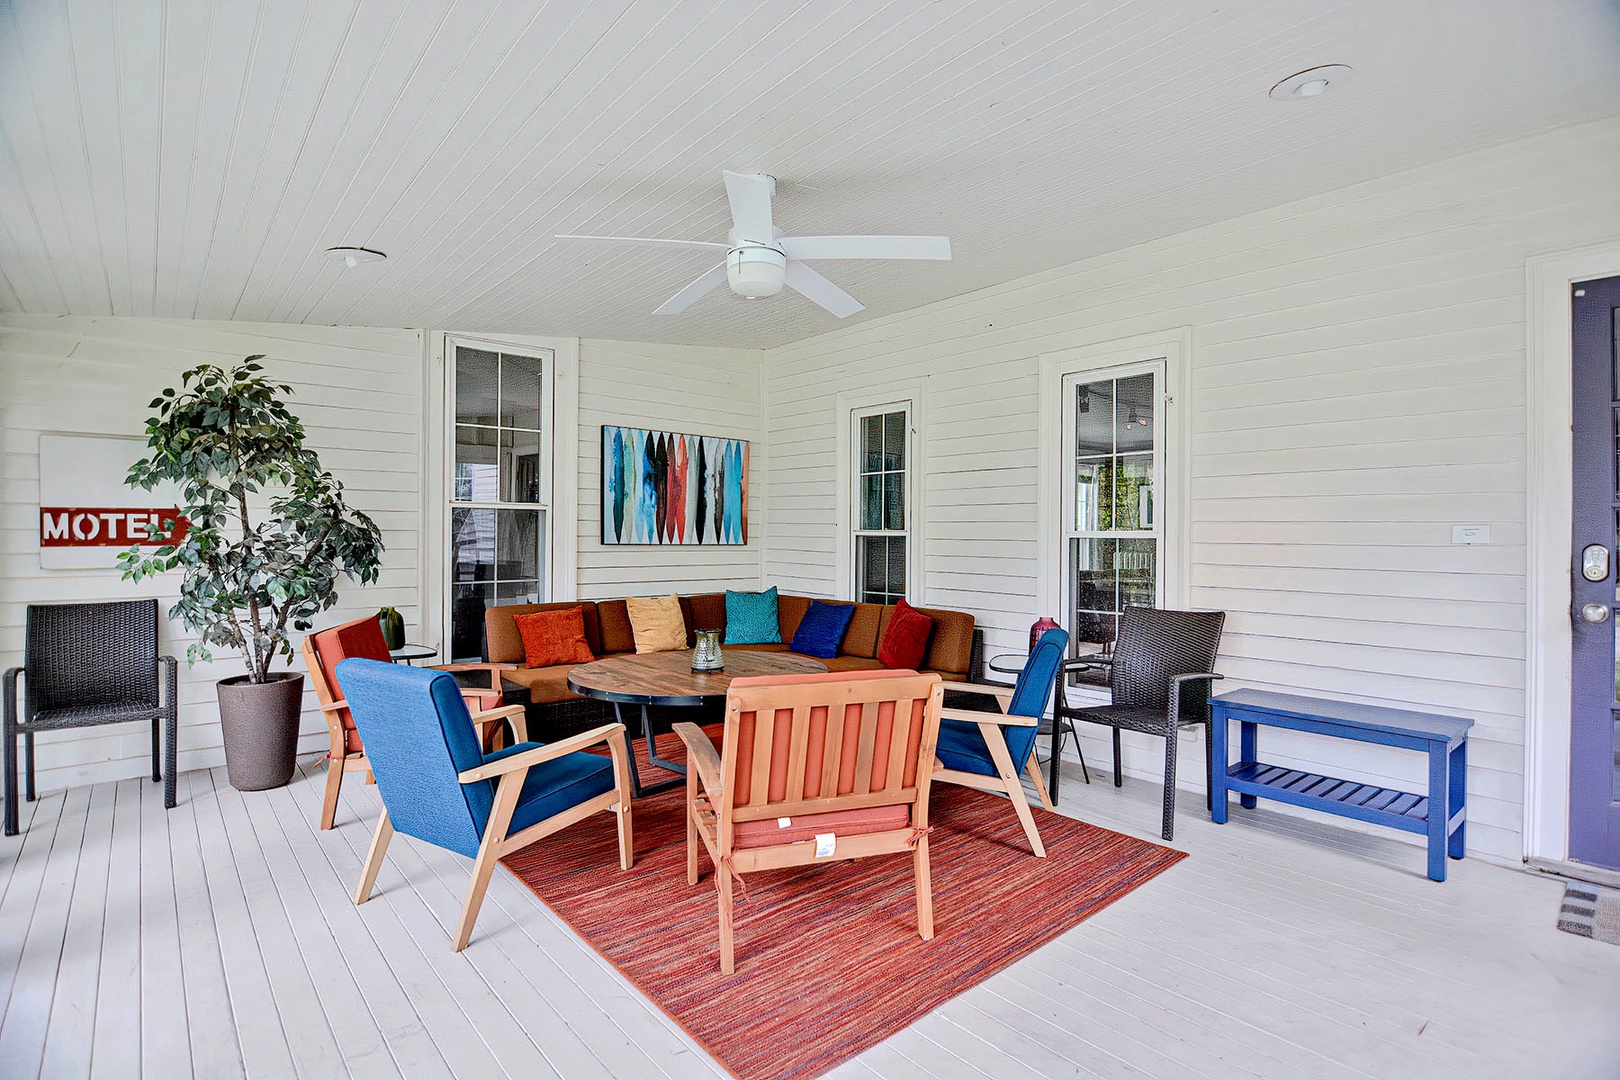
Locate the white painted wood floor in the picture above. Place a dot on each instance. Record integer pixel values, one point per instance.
(218, 939)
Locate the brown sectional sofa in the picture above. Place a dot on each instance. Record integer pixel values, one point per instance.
(955, 649)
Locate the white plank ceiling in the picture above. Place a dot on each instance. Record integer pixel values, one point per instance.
(193, 159)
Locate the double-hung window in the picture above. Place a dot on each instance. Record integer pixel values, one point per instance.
(1113, 533)
(882, 506)
(500, 479)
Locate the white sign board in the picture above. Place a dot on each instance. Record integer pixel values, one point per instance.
(87, 514)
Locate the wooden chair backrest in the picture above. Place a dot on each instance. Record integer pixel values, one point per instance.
(323, 650)
(810, 744)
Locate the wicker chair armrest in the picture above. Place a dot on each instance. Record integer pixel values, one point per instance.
(171, 681)
(1081, 663)
(701, 755)
(968, 716)
(550, 751)
(11, 693)
(1173, 710)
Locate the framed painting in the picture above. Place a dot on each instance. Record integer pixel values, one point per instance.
(663, 487)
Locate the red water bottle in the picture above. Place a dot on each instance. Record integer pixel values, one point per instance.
(1042, 625)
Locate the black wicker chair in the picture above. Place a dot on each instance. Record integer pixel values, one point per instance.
(1160, 676)
(86, 665)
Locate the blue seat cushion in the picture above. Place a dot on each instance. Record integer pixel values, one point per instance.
(554, 786)
(961, 747)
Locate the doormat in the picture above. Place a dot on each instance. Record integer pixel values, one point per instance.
(1591, 911)
(828, 958)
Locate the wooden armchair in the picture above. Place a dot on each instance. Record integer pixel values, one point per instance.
(438, 785)
(362, 638)
(813, 768)
(988, 750)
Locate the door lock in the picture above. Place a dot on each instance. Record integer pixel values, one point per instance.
(1595, 613)
(1595, 562)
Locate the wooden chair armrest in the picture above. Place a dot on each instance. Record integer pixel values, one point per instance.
(538, 754)
(494, 670)
(968, 716)
(516, 714)
(1002, 694)
(701, 755)
(333, 706)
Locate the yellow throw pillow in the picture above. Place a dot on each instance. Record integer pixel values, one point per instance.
(657, 623)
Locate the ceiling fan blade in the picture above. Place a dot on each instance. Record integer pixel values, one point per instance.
(813, 286)
(750, 198)
(642, 240)
(693, 292)
(866, 247)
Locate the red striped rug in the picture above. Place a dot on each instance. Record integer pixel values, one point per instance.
(828, 958)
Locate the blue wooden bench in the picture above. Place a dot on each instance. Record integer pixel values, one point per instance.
(1440, 814)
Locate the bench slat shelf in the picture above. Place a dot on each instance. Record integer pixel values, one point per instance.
(1440, 814)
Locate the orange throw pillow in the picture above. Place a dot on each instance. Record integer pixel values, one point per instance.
(905, 639)
(554, 637)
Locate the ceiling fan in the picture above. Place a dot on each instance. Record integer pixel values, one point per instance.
(760, 260)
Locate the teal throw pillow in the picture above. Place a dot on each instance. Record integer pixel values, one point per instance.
(751, 618)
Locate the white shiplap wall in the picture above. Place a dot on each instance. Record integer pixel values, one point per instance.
(358, 392)
(1358, 386)
(698, 391)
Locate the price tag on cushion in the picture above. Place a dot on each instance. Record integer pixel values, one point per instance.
(825, 843)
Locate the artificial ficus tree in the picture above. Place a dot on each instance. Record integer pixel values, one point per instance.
(228, 439)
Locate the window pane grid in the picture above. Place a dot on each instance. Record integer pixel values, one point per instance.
(497, 513)
(879, 516)
(1111, 527)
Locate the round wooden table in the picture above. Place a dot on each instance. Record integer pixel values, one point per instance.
(667, 679)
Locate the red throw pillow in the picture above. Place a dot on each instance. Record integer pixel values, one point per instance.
(554, 637)
(905, 640)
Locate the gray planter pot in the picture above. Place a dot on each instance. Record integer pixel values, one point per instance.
(260, 724)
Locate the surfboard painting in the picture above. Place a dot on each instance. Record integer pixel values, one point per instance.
(663, 487)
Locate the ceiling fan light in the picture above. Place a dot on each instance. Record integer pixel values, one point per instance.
(754, 271)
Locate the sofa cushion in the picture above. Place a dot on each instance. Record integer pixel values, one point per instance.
(617, 634)
(861, 639)
(852, 663)
(905, 639)
(504, 645)
(657, 623)
(761, 646)
(554, 637)
(789, 610)
(805, 827)
(546, 685)
(751, 618)
(950, 650)
(703, 611)
(822, 629)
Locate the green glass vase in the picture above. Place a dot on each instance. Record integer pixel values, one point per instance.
(393, 627)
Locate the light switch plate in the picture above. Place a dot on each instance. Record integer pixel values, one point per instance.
(1470, 534)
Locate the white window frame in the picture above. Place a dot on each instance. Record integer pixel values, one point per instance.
(558, 472)
(1172, 504)
(850, 408)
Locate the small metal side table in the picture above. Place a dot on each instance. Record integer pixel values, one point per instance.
(410, 654)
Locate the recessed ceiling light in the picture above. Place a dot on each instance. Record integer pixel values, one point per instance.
(1310, 83)
(354, 256)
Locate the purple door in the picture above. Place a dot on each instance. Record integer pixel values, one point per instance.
(1594, 769)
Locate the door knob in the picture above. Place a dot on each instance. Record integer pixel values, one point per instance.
(1595, 613)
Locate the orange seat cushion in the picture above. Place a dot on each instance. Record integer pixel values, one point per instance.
(554, 637)
(871, 819)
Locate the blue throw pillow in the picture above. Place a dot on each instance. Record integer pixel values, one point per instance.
(821, 630)
(751, 618)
